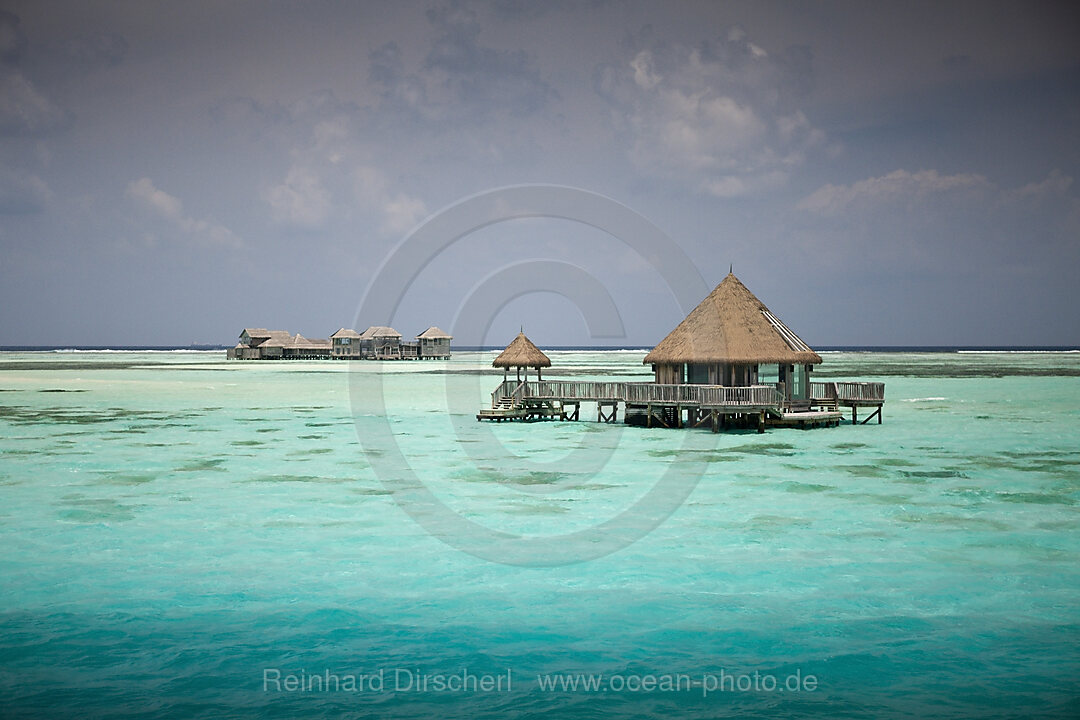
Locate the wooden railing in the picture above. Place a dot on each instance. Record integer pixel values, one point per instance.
(753, 396)
(861, 391)
(822, 390)
(841, 391)
(657, 393)
(509, 388)
(574, 390)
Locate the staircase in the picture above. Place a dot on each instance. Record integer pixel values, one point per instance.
(502, 409)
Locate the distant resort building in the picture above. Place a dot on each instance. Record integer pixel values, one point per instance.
(379, 342)
(375, 343)
(434, 343)
(346, 344)
(263, 344)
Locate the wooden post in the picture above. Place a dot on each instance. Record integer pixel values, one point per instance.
(715, 424)
(761, 422)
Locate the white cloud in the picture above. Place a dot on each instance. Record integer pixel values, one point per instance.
(897, 185)
(24, 110)
(400, 212)
(932, 223)
(300, 200)
(22, 194)
(644, 74)
(729, 186)
(1056, 184)
(171, 208)
(720, 116)
(167, 205)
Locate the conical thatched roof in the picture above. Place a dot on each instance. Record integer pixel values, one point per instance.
(521, 353)
(731, 326)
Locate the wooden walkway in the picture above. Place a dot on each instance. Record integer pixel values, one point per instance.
(652, 404)
(854, 395)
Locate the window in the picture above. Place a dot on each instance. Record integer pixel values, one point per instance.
(768, 374)
(697, 374)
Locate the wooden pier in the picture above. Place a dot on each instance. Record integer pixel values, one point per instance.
(854, 395)
(683, 405)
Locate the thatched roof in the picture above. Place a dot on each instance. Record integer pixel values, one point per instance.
(302, 343)
(380, 331)
(434, 333)
(731, 326)
(521, 353)
(255, 333)
(345, 333)
(275, 338)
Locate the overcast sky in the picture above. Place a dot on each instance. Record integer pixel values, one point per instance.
(890, 174)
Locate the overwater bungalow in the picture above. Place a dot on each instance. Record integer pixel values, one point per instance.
(379, 342)
(376, 343)
(346, 344)
(302, 348)
(732, 339)
(263, 344)
(730, 363)
(260, 344)
(434, 344)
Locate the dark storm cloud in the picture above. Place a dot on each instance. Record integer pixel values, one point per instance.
(479, 75)
(234, 146)
(12, 40)
(101, 48)
(24, 110)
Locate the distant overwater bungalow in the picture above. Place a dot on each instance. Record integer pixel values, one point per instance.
(730, 363)
(376, 343)
(434, 343)
(263, 344)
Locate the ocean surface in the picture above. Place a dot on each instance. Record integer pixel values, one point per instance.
(185, 537)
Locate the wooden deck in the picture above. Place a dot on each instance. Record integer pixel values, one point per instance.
(652, 404)
(854, 395)
(808, 419)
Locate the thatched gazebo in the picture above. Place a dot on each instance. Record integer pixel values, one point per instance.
(521, 353)
(732, 339)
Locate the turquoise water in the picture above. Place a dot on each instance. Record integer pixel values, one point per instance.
(177, 529)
